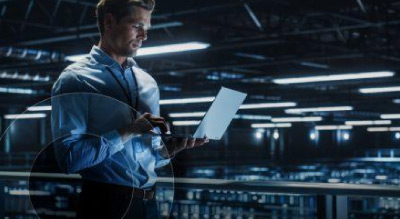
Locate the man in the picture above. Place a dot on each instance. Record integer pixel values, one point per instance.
(111, 146)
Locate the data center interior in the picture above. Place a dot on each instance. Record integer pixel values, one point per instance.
(318, 135)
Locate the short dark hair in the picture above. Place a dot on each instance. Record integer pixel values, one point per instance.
(119, 9)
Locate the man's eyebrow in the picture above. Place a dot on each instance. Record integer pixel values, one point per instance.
(135, 21)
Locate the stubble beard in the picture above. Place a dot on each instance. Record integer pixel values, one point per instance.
(129, 53)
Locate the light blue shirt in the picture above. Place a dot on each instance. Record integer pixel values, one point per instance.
(89, 106)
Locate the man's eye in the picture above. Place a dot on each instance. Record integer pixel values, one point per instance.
(139, 27)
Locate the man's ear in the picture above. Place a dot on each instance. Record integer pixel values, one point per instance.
(108, 21)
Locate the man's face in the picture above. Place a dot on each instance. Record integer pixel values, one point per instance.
(126, 37)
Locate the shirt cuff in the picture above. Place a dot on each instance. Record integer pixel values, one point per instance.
(114, 140)
(158, 146)
(161, 161)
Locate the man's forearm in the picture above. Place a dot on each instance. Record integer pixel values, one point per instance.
(77, 152)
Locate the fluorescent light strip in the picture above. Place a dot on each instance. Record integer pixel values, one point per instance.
(271, 125)
(366, 122)
(185, 115)
(314, 65)
(379, 90)
(297, 119)
(390, 116)
(171, 48)
(39, 108)
(24, 77)
(318, 109)
(267, 105)
(187, 100)
(332, 127)
(383, 129)
(252, 117)
(25, 116)
(186, 123)
(16, 90)
(336, 77)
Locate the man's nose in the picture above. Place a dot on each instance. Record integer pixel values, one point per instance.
(142, 35)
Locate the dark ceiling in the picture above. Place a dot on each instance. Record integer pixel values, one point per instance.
(252, 42)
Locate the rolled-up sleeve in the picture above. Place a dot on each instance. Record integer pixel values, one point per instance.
(75, 148)
(158, 146)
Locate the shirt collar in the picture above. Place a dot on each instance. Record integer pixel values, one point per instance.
(103, 58)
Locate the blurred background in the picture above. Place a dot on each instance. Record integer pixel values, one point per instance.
(323, 103)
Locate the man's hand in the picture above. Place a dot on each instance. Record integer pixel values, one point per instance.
(147, 122)
(176, 145)
(144, 124)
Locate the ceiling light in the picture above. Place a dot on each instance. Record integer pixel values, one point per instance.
(297, 119)
(145, 51)
(25, 116)
(390, 116)
(314, 65)
(378, 129)
(318, 109)
(186, 123)
(39, 108)
(252, 117)
(383, 129)
(24, 77)
(271, 125)
(267, 105)
(366, 122)
(332, 127)
(335, 77)
(172, 48)
(17, 90)
(252, 56)
(379, 90)
(184, 115)
(187, 100)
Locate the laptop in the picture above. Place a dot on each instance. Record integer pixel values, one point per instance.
(218, 117)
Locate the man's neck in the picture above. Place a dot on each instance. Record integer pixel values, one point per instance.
(122, 60)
